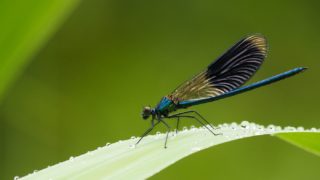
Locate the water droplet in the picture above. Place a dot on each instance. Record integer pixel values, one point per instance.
(271, 128)
(16, 177)
(289, 128)
(133, 137)
(260, 127)
(174, 133)
(234, 126)
(214, 127)
(313, 129)
(132, 146)
(225, 125)
(253, 126)
(192, 128)
(71, 158)
(300, 128)
(157, 135)
(278, 128)
(108, 144)
(245, 124)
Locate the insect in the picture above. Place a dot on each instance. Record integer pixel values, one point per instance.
(222, 78)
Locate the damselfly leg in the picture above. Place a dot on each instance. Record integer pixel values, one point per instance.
(177, 126)
(148, 130)
(183, 115)
(168, 130)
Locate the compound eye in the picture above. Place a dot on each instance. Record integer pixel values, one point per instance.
(146, 112)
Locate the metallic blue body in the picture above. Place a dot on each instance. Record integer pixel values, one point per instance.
(163, 105)
(187, 103)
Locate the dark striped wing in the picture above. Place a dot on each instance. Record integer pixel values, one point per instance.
(228, 72)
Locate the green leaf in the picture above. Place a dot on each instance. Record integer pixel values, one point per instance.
(124, 160)
(307, 141)
(25, 27)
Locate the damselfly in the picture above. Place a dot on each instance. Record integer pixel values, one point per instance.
(222, 78)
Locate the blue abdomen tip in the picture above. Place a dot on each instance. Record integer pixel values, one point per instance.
(300, 69)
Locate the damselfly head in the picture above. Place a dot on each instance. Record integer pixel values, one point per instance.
(146, 112)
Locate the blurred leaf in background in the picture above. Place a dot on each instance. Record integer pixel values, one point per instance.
(87, 86)
(25, 27)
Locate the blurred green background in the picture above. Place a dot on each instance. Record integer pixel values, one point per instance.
(86, 86)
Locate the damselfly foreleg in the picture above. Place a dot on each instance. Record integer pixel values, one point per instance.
(148, 130)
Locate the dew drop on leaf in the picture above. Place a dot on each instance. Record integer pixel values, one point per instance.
(300, 128)
(245, 124)
(290, 128)
(71, 158)
(271, 128)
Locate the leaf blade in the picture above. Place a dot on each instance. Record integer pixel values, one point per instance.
(307, 141)
(121, 160)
